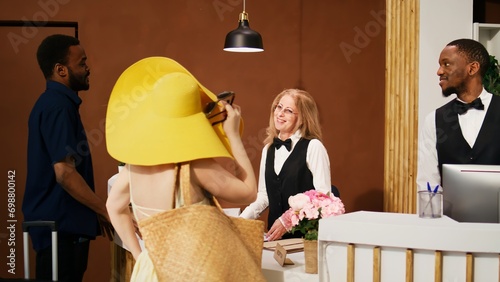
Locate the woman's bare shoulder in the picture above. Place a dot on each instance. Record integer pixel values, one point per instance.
(151, 169)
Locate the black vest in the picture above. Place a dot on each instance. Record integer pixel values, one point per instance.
(451, 146)
(295, 177)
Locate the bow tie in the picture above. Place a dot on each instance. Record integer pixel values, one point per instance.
(461, 108)
(287, 143)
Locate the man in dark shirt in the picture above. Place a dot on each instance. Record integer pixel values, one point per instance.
(60, 181)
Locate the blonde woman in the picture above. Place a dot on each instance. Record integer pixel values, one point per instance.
(156, 124)
(293, 160)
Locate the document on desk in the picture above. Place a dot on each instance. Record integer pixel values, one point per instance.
(292, 245)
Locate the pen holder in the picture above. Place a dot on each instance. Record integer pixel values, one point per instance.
(430, 204)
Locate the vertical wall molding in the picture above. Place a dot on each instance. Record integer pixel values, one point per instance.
(401, 105)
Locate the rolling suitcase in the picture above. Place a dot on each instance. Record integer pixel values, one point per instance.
(30, 224)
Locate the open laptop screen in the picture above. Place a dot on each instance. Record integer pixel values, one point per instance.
(471, 193)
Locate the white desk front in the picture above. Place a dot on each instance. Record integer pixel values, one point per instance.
(273, 272)
(347, 243)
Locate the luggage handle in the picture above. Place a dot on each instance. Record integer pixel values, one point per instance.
(26, 226)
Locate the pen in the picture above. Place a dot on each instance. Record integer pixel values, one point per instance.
(433, 191)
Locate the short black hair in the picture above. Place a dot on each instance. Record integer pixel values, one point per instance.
(54, 49)
(473, 51)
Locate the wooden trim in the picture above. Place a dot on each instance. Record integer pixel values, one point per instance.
(122, 263)
(469, 267)
(409, 265)
(401, 106)
(350, 262)
(376, 264)
(438, 266)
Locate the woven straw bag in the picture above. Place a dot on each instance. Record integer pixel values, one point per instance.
(201, 243)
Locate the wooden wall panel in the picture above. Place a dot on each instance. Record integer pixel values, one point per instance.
(401, 106)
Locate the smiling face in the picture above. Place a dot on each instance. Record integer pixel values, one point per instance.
(453, 71)
(286, 116)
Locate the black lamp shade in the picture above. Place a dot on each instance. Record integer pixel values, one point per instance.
(243, 39)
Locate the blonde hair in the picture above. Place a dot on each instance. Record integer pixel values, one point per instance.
(308, 115)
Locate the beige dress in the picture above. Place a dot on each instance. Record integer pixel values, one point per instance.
(144, 270)
(197, 241)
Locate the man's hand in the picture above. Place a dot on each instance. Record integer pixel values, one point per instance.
(107, 229)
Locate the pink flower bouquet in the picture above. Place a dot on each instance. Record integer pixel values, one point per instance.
(306, 209)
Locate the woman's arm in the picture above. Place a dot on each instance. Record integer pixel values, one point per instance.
(254, 210)
(119, 212)
(319, 165)
(240, 188)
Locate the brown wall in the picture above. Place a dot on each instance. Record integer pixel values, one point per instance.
(333, 49)
(492, 11)
(486, 11)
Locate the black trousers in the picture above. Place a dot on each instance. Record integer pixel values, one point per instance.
(72, 260)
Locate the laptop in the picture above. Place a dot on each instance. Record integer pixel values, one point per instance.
(471, 193)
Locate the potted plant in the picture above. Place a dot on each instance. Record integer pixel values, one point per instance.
(306, 209)
(491, 79)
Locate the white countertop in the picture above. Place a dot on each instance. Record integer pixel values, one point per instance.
(410, 231)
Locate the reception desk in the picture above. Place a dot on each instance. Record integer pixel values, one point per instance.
(123, 263)
(377, 246)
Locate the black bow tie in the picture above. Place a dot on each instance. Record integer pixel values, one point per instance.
(287, 143)
(461, 108)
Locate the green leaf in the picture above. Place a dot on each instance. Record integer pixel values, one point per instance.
(491, 80)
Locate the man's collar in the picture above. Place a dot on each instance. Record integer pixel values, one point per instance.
(51, 84)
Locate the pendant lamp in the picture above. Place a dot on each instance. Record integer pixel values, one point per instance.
(243, 39)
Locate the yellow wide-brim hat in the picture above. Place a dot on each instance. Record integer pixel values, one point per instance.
(155, 116)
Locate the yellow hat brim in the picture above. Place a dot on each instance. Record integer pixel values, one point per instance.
(153, 116)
